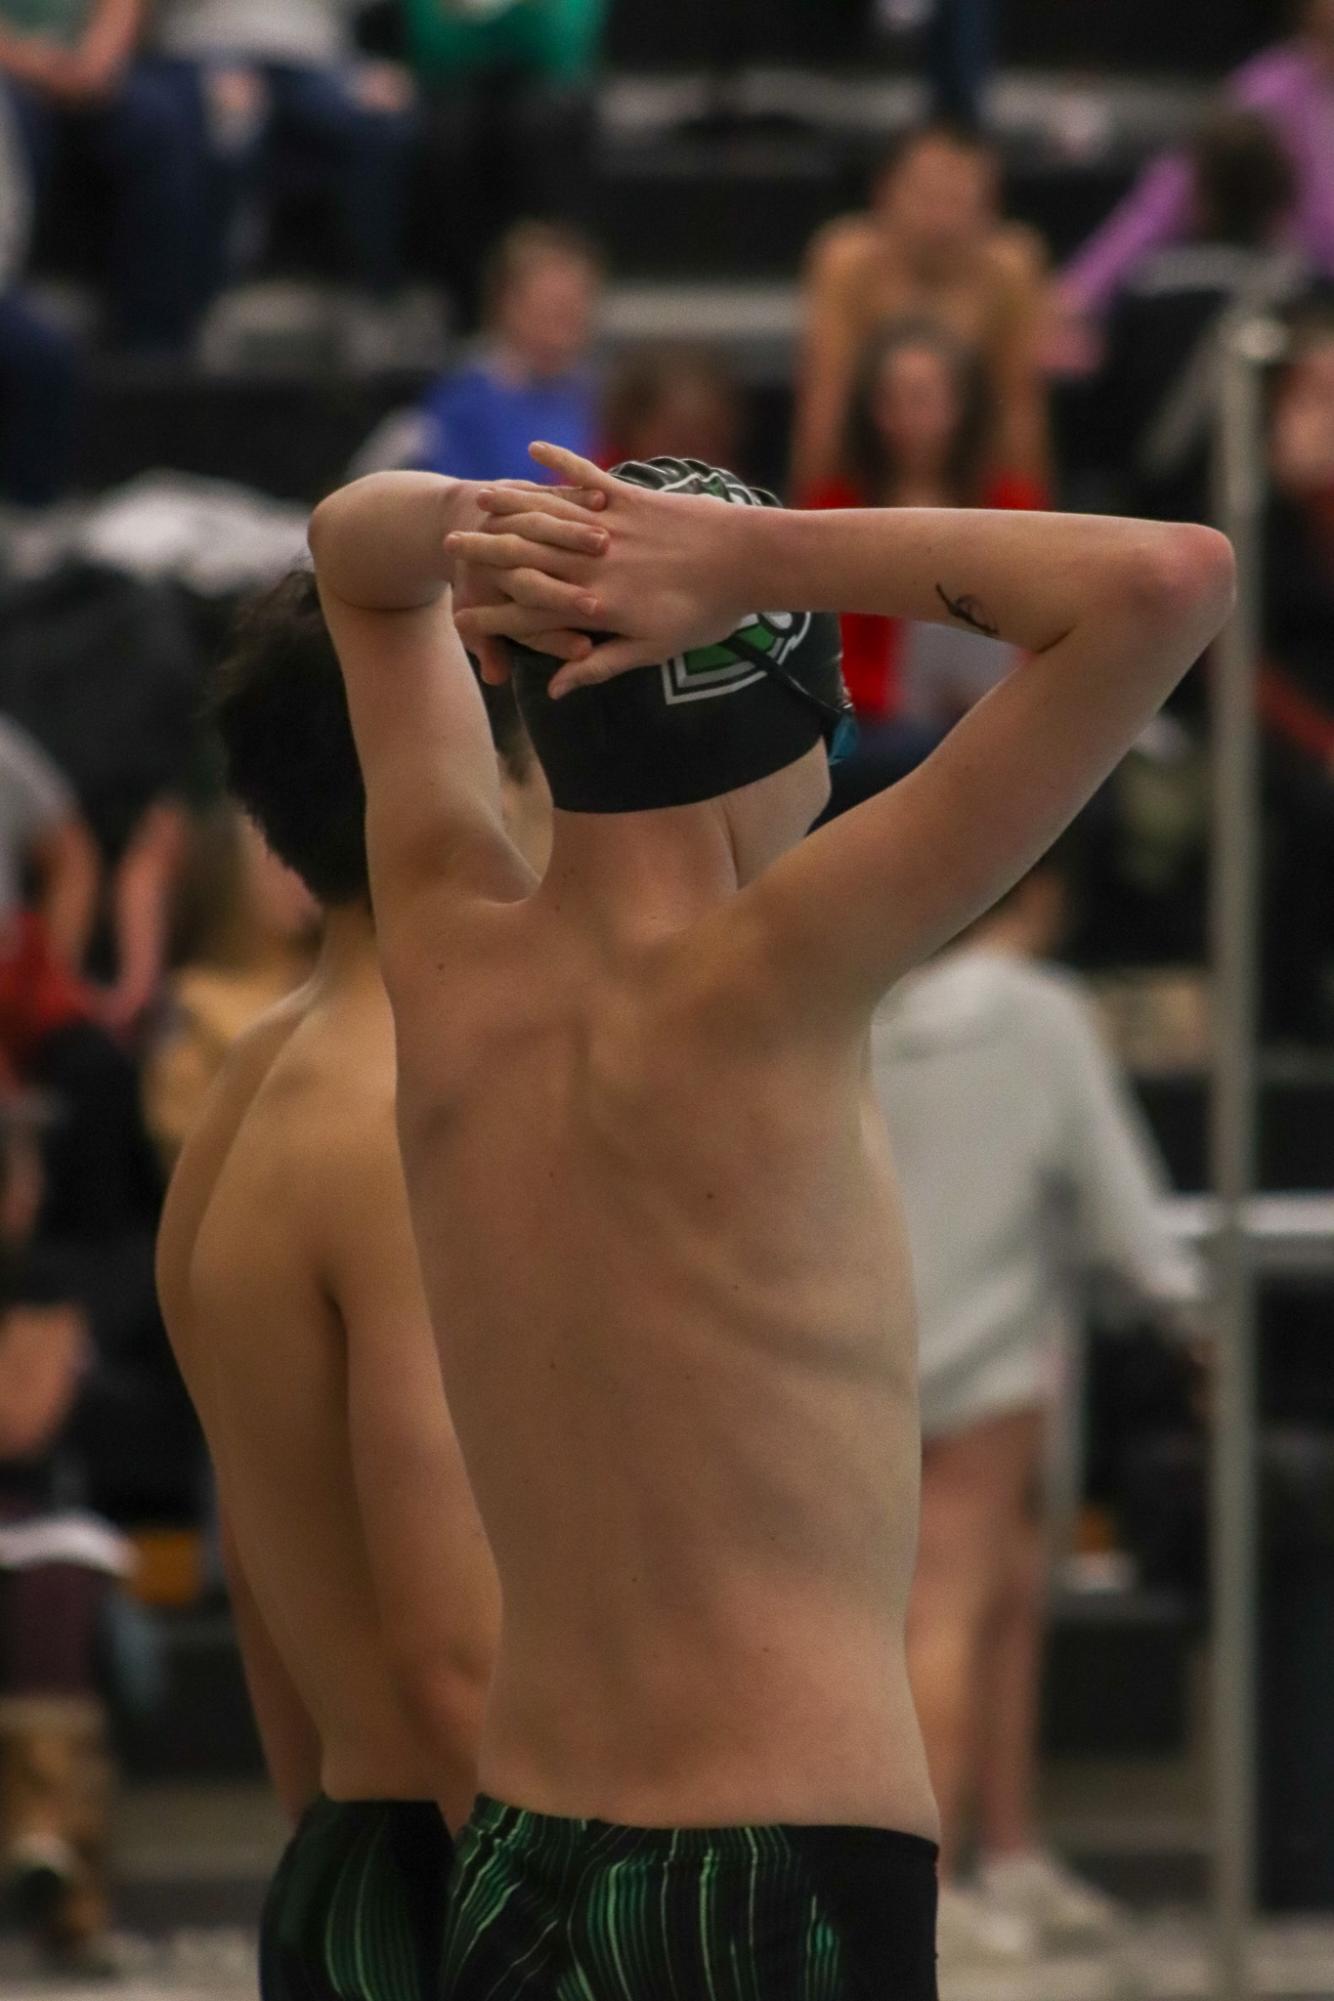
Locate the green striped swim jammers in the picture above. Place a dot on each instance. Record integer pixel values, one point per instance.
(546, 1909)
(356, 1911)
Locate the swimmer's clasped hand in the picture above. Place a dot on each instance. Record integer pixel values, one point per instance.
(653, 572)
(494, 602)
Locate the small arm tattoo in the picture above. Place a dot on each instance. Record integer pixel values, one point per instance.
(969, 611)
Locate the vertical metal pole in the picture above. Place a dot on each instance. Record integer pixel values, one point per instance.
(1239, 503)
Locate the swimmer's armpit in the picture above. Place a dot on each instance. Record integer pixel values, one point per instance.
(970, 612)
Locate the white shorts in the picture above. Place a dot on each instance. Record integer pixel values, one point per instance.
(1015, 1376)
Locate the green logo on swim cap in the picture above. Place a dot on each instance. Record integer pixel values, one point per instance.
(724, 668)
(693, 476)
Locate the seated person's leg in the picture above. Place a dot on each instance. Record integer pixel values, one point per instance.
(149, 140)
(39, 398)
(55, 1774)
(36, 131)
(361, 119)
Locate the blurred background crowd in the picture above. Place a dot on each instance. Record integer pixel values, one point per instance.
(872, 253)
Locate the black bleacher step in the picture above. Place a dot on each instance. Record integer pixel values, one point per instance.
(204, 1728)
(690, 205)
(1197, 36)
(1296, 1124)
(699, 206)
(289, 435)
(643, 34)
(1115, 1683)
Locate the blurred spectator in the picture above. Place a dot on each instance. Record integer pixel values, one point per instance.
(282, 86)
(533, 376)
(1297, 693)
(45, 843)
(508, 87)
(38, 370)
(50, 1035)
(673, 402)
(258, 946)
(39, 400)
(931, 247)
(1159, 389)
(75, 82)
(1017, 1145)
(126, 741)
(141, 887)
(57, 1566)
(1291, 86)
(918, 429)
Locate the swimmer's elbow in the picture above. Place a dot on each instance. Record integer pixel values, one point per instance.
(1181, 578)
(445, 1695)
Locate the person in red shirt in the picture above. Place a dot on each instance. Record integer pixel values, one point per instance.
(917, 436)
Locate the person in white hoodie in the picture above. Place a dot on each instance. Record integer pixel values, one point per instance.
(1022, 1158)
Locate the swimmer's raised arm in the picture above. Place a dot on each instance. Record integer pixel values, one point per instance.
(433, 799)
(1110, 615)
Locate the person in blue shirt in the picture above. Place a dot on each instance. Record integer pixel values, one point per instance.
(532, 376)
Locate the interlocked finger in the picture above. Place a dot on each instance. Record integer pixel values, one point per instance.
(572, 503)
(507, 621)
(574, 603)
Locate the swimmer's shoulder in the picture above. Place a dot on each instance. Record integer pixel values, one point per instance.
(843, 252)
(340, 1077)
(1017, 259)
(202, 1163)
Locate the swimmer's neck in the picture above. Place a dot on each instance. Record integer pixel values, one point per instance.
(633, 876)
(347, 955)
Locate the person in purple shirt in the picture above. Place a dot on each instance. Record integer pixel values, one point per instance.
(1292, 86)
(533, 376)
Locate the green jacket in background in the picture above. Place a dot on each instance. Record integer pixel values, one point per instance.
(55, 20)
(558, 40)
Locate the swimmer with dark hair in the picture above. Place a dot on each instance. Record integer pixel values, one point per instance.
(363, 1592)
(652, 1191)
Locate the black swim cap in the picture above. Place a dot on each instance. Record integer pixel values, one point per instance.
(705, 723)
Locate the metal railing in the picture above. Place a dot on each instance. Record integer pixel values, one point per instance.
(1250, 346)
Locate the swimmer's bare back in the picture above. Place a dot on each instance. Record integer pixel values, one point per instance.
(653, 1197)
(364, 1590)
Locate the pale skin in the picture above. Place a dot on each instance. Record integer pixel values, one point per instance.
(363, 1590)
(975, 1629)
(363, 1593)
(651, 1192)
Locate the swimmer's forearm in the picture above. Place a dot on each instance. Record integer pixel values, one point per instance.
(379, 543)
(1029, 579)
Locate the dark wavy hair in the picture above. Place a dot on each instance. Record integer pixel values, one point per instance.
(867, 457)
(280, 708)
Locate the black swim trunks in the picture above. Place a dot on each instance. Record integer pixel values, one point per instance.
(542, 1909)
(356, 1910)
